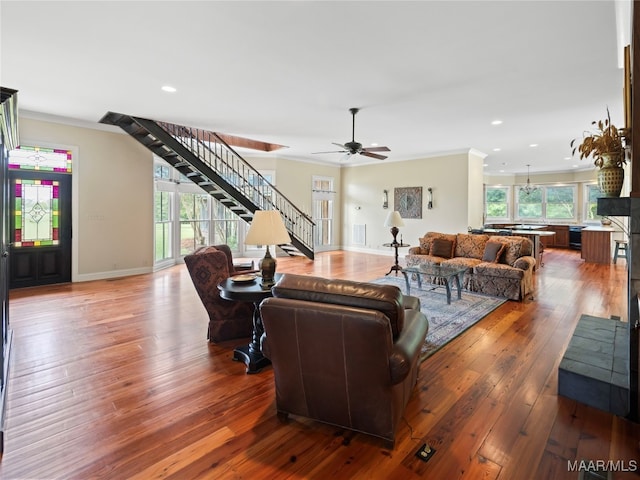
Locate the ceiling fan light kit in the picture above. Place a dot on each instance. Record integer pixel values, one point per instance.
(356, 148)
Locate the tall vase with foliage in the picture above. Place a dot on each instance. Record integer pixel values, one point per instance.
(606, 147)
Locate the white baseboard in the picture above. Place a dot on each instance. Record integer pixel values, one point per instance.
(87, 277)
(389, 252)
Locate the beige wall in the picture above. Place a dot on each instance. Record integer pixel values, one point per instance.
(456, 181)
(475, 188)
(112, 198)
(579, 176)
(113, 195)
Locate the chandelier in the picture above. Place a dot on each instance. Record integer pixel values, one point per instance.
(528, 189)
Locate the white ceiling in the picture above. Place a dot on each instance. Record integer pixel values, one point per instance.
(429, 76)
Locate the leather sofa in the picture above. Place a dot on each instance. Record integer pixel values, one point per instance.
(509, 273)
(344, 353)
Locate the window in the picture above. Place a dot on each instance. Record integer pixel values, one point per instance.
(163, 225)
(556, 202)
(186, 217)
(37, 213)
(323, 198)
(530, 205)
(195, 219)
(43, 159)
(497, 204)
(226, 225)
(591, 194)
(561, 203)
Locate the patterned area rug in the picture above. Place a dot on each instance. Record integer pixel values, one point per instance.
(446, 322)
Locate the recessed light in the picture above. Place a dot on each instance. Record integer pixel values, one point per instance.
(374, 144)
(168, 88)
(533, 145)
(485, 164)
(497, 149)
(496, 122)
(567, 158)
(501, 171)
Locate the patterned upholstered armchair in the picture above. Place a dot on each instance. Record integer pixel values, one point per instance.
(208, 266)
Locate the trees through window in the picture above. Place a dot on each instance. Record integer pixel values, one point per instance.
(547, 203)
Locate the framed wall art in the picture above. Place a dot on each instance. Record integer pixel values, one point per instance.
(408, 201)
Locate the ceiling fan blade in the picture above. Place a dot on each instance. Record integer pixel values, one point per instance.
(376, 149)
(333, 151)
(339, 145)
(372, 155)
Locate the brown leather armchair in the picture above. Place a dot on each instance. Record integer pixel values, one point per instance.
(344, 353)
(208, 266)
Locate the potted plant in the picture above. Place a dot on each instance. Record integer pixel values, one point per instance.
(606, 147)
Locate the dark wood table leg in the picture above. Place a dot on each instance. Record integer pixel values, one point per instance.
(396, 267)
(251, 354)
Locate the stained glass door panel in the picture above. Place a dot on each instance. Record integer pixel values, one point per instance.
(40, 228)
(37, 213)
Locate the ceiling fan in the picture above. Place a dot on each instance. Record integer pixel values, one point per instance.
(356, 148)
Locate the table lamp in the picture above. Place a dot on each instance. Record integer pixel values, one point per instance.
(267, 228)
(394, 220)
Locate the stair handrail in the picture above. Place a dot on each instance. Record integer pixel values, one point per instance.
(229, 164)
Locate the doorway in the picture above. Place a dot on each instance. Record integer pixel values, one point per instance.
(40, 223)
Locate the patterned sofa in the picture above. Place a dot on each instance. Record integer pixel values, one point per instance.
(496, 265)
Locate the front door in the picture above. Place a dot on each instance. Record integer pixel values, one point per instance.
(40, 228)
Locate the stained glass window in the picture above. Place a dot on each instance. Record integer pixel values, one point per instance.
(36, 213)
(41, 159)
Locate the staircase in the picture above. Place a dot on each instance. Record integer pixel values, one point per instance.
(208, 161)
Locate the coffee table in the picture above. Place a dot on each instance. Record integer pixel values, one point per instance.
(447, 273)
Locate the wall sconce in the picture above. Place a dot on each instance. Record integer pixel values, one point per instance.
(430, 198)
(385, 198)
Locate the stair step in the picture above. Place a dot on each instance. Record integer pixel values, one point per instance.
(205, 165)
(291, 250)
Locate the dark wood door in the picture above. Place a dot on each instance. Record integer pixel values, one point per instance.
(40, 228)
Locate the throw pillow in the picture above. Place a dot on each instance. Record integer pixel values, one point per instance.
(442, 248)
(493, 251)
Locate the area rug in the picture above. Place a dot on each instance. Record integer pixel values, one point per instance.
(446, 322)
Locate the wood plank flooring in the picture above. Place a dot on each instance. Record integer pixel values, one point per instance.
(115, 379)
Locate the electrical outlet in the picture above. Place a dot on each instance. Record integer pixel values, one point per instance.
(425, 452)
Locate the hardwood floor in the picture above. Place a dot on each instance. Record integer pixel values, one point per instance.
(115, 379)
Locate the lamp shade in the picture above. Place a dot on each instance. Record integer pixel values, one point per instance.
(267, 228)
(394, 220)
